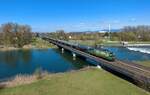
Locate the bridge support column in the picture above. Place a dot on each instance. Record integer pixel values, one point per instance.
(74, 56)
(62, 50)
(99, 67)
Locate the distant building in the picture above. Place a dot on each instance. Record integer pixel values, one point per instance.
(102, 31)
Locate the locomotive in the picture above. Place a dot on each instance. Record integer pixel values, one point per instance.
(102, 53)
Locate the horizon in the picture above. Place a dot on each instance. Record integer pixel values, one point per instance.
(75, 15)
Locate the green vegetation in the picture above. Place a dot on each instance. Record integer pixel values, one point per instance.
(144, 63)
(59, 34)
(85, 42)
(98, 42)
(84, 82)
(135, 33)
(40, 43)
(132, 34)
(105, 42)
(15, 35)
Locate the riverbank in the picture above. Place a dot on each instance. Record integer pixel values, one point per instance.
(144, 63)
(109, 43)
(89, 81)
(37, 43)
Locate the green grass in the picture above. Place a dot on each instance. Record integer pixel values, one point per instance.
(40, 43)
(85, 82)
(141, 42)
(92, 42)
(84, 42)
(105, 42)
(144, 63)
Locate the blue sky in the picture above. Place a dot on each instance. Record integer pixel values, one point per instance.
(75, 15)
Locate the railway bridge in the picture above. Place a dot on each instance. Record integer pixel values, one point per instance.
(139, 74)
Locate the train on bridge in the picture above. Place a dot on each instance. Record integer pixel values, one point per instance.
(102, 53)
(136, 73)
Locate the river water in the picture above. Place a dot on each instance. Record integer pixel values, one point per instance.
(143, 49)
(131, 53)
(52, 60)
(28, 61)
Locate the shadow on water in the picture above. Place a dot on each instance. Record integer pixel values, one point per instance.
(12, 57)
(76, 62)
(26, 55)
(9, 57)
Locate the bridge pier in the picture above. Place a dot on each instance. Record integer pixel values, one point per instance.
(62, 50)
(99, 67)
(74, 56)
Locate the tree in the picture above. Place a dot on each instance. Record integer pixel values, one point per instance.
(24, 35)
(8, 34)
(16, 35)
(61, 35)
(135, 33)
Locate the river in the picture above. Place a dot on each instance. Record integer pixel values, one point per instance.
(52, 60)
(131, 53)
(28, 61)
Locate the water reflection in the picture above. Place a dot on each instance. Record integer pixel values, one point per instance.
(77, 62)
(26, 55)
(12, 57)
(27, 61)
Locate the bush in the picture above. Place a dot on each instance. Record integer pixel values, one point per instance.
(38, 73)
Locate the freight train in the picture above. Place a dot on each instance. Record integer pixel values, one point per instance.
(102, 53)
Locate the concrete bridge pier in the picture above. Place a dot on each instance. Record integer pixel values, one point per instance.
(99, 67)
(62, 50)
(74, 56)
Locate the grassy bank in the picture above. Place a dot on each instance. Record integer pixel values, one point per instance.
(40, 43)
(105, 42)
(98, 42)
(84, 82)
(36, 43)
(144, 63)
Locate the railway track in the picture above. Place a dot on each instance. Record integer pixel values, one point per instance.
(136, 68)
(117, 63)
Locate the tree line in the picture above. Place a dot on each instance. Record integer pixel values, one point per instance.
(127, 33)
(135, 33)
(15, 35)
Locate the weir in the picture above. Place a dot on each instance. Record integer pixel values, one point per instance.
(139, 74)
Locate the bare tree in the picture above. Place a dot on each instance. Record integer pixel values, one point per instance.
(16, 35)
